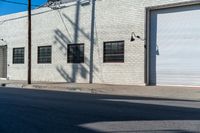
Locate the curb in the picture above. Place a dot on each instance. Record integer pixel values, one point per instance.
(107, 90)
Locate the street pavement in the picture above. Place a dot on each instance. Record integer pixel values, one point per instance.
(44, 111)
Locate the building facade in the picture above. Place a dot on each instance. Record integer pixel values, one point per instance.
(133, 42)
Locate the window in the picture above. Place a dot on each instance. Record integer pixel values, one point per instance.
(114, 51)
(18, 55)
(75, 53)
(44, 54)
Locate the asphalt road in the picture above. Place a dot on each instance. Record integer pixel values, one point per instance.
(37, 111)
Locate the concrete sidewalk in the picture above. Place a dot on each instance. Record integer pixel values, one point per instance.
(186, 93)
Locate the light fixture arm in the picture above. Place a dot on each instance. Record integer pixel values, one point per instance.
(3, 40)
(136, 36)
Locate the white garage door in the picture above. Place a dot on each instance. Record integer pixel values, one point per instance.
(175, 46)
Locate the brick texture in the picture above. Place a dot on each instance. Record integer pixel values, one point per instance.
(114, 21)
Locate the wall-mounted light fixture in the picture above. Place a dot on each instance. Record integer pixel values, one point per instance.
(3, 41)
(134, 37)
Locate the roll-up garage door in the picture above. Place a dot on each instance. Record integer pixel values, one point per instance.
(175, 46)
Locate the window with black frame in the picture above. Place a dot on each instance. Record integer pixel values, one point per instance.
(18, 55)
(113, 52)
(44, 54)
(75, 53)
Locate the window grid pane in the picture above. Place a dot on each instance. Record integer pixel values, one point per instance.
(75, 53)
(44, 54)
(114, 51)
(18, 55)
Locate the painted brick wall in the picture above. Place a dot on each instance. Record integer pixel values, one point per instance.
(114, 21)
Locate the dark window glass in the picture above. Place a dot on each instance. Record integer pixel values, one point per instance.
(114, 51)
(18, 55)
(75, 53)
(44, 54)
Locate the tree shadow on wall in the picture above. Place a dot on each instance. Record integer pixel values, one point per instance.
(86, 69)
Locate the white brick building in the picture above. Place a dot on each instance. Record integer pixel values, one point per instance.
(113, 21)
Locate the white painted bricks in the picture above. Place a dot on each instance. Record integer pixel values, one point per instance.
(114, 21)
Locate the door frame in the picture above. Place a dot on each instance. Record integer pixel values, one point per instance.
(148, 10)
(5, 65)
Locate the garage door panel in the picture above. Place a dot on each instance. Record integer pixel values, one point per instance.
(175, 33)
